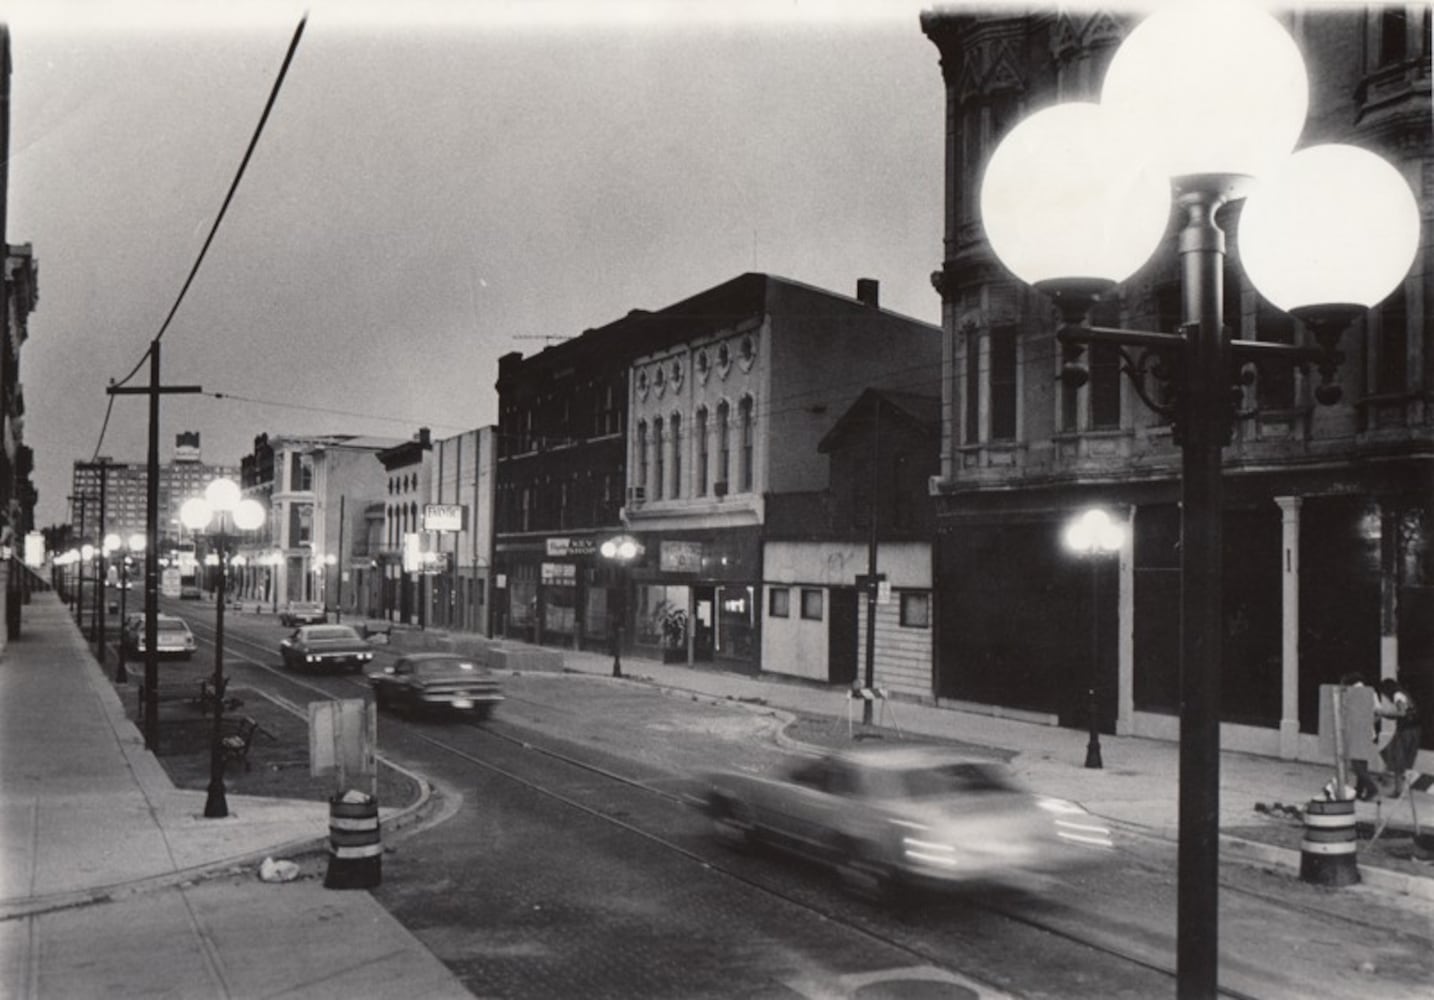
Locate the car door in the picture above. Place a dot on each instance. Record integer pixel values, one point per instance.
(807, 811)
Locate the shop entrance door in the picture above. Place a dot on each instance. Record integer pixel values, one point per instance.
(841, 636)
(703, 615)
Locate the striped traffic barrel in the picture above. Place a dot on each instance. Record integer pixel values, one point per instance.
(355, 851)
(1327, 850)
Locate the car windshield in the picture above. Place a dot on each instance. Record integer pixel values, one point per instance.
(172, 626)
(947, 779)
(330, 632)
(447, 665)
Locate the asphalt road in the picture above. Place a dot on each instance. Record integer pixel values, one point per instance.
(572, 862)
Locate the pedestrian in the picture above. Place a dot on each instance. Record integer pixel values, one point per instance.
(1397, 704)
(1365, 788)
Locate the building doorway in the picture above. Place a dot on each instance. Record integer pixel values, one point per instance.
(842, 636)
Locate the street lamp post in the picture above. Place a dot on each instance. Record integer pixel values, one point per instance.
(1205, 99)
(135, 543)
(1092, 535)
(111, 544)
(620, 550)
(220, 504)
(87, 556)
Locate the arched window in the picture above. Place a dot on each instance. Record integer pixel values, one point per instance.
(659, 476)
(675, 432)
(700, 441)
(745, 411)
(641, 482)
(724, 442)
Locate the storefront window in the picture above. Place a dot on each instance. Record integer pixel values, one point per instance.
(559, 611)
(662, 616)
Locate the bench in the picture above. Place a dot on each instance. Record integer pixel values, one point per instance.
(235, 745)
(205, 699)
(165, 696)
(368, 630)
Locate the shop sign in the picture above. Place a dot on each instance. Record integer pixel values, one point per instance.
(560, 574)
(443, 517)
(680, 557)
(567, 547)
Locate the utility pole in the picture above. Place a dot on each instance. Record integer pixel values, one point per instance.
(874, 481)
(339, 567)
(77, 598)
(151, 552)
(101, 465)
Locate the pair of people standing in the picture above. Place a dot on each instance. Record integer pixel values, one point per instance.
(1397, 743)
(1395, 703)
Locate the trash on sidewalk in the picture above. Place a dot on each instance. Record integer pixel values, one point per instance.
(271, 870)
(1279, 810)
(1332, 793)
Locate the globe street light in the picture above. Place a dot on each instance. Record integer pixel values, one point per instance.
(1092, 535)
(87, 555)
(620, 550)
(1212, 96)
(220, 505)
(110, 545)
(135, 543)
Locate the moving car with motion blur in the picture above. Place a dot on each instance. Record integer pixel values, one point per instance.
(437, 681)
(303, 613)
(907, 815)
(172, 638)
(320, 647)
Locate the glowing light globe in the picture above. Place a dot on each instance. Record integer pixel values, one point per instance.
(1062, 198)
(1209, 87)
(1334, 224)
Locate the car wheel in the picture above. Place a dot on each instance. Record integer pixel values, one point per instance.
(483, 712)
(730, 824)
(862, 874)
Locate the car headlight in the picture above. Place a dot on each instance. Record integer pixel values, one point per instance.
(929, 852)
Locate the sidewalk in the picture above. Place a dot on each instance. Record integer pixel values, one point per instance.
(113, 883)
(1138, 786)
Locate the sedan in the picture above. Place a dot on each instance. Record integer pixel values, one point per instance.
(890, 816)
(303, 613)
(172, 636)
(319, 646)
(437, 680)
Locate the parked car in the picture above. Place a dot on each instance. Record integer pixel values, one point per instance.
(303, 613)
(172, 636)
(190, 592)
(437, 681)
(319, 646)
(892, 816)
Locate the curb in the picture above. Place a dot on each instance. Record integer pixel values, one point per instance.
(151, 777)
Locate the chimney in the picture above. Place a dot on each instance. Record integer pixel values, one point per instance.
(868, 292)
(424, 438)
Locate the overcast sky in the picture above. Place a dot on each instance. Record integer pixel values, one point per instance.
(433, 189)
(439, 183)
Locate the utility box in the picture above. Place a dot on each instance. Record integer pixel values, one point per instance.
(343, 735)
(1357, 715)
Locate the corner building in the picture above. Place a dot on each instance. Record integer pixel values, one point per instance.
(675, 426)
(1327, 520)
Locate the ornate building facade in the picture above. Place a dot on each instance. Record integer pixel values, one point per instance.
(1328, 513)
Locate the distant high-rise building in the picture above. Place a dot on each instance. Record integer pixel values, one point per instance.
(125, 491)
